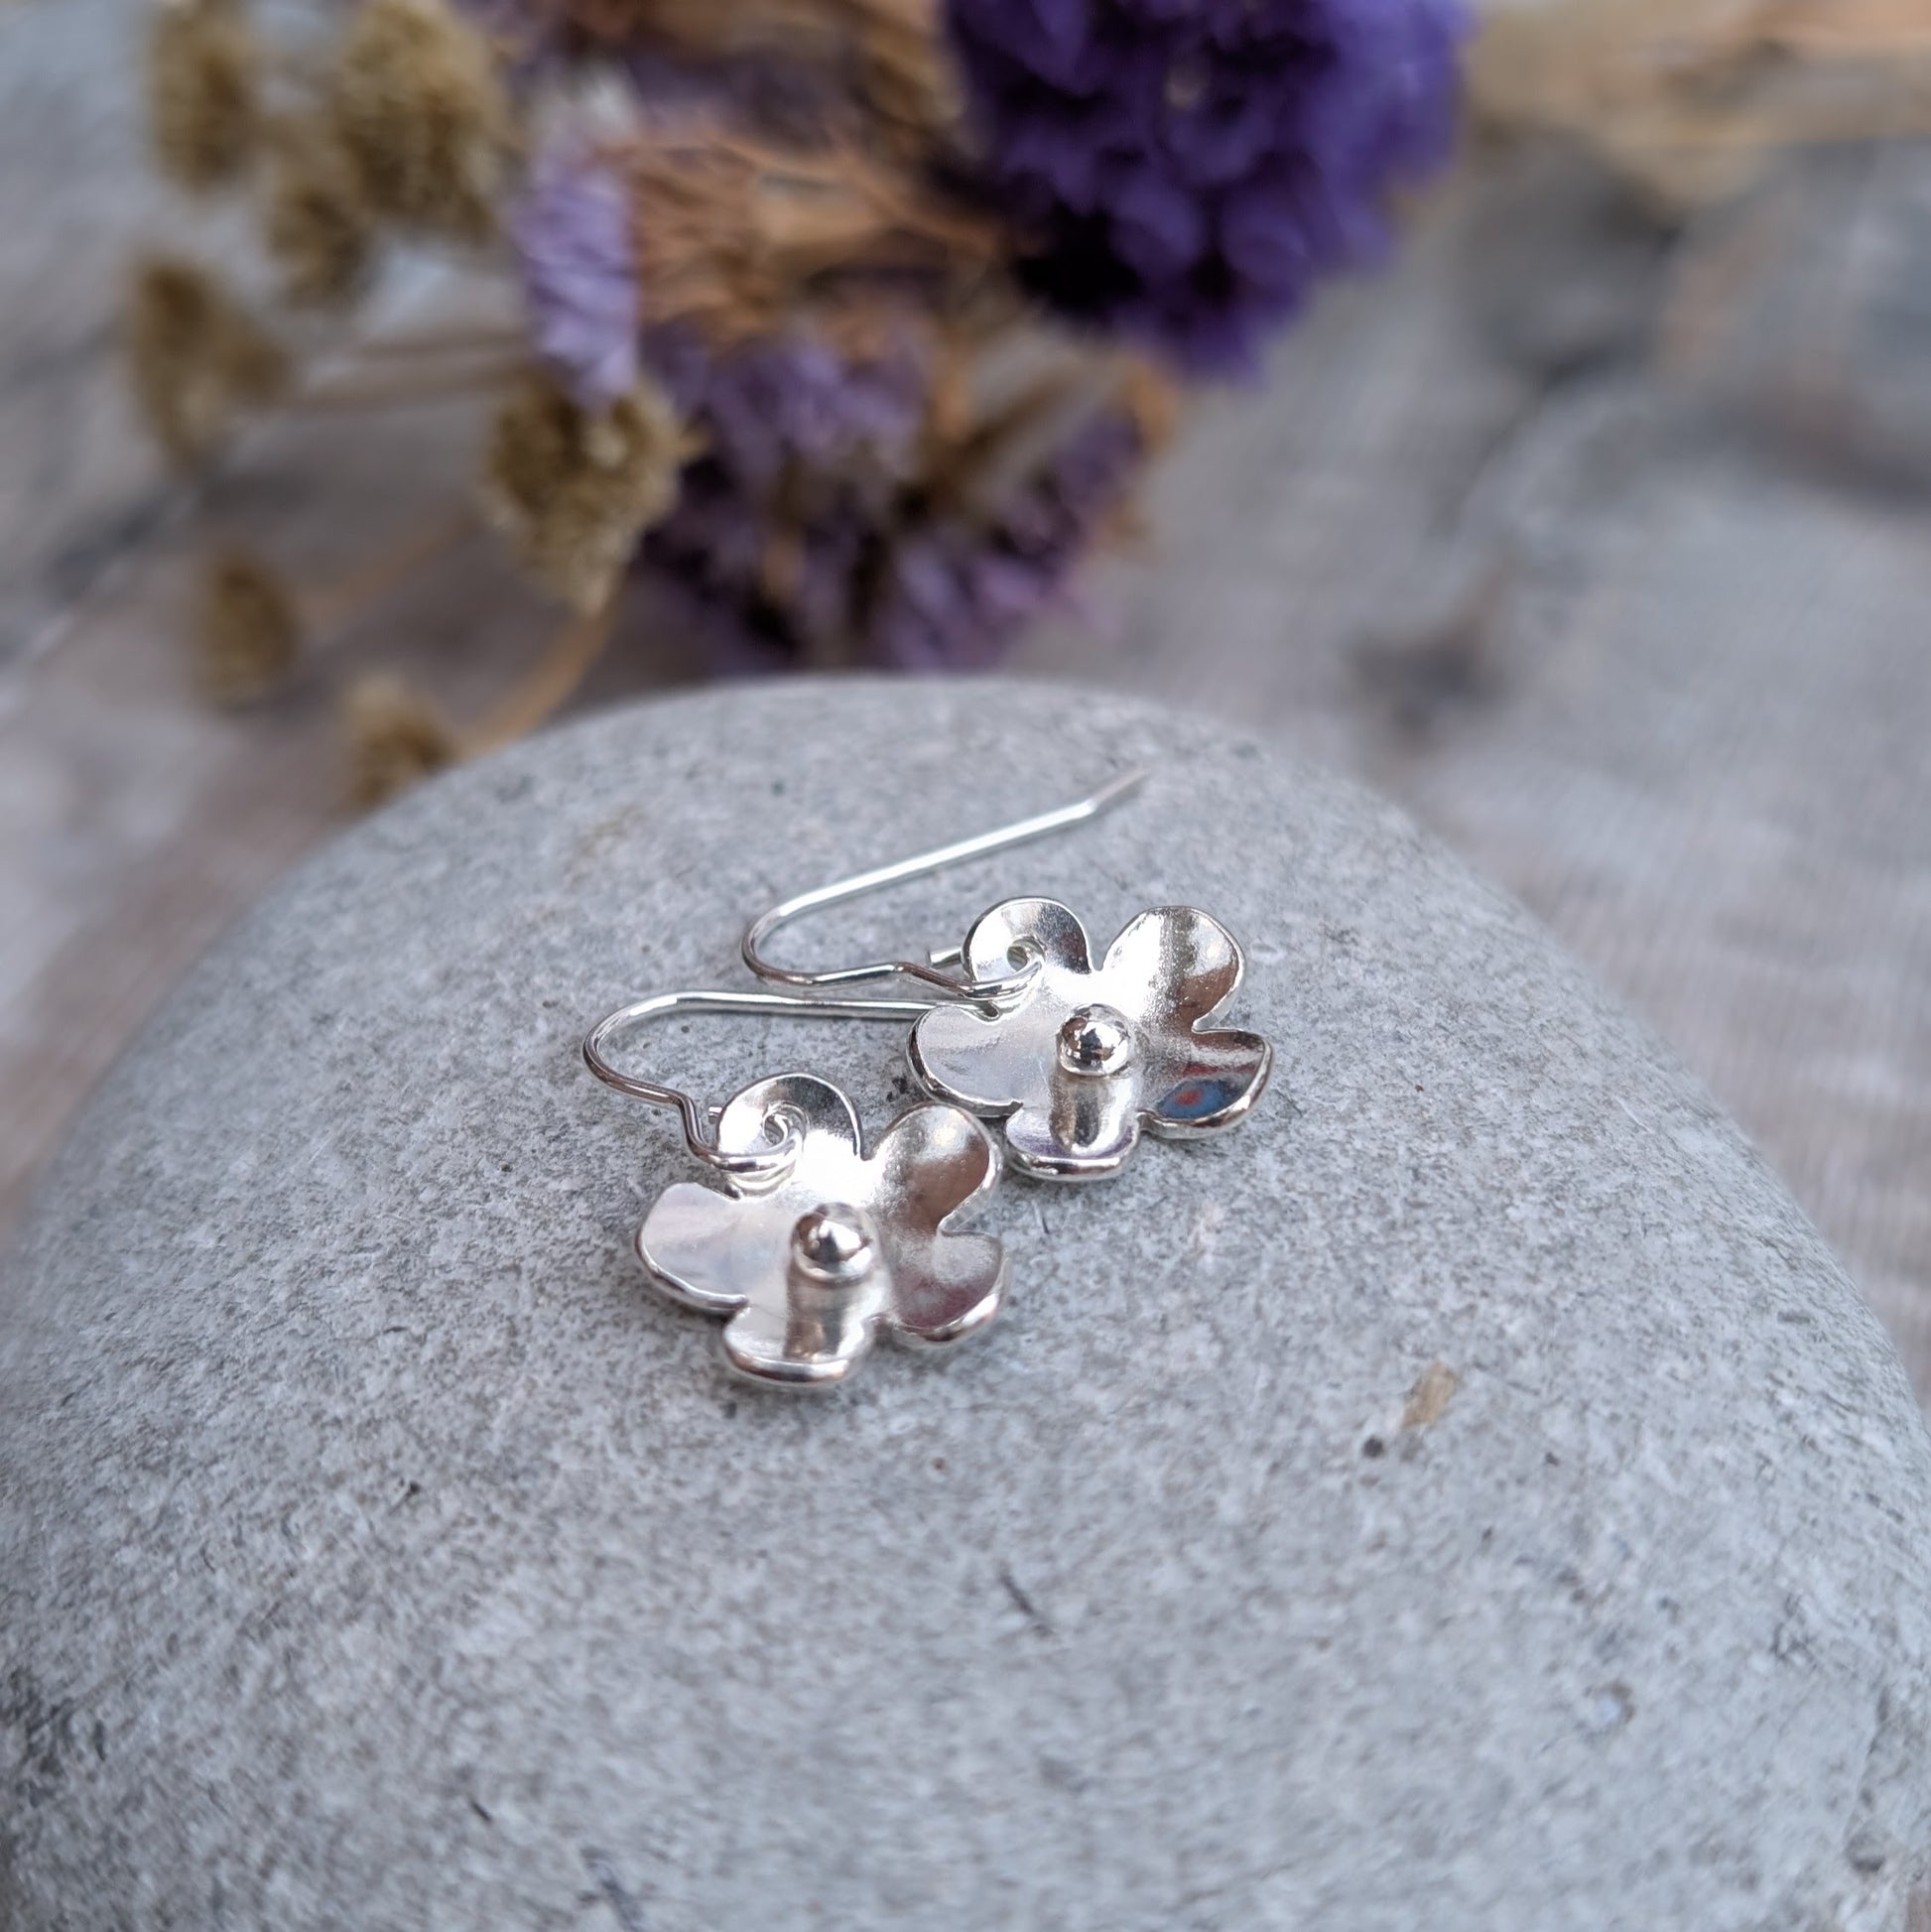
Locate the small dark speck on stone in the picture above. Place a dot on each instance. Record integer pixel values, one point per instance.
(1866, 1853)
(939, 1463)
(481, 1812)
(1024, 1603)
(1373, 1447)
(506, 1168)
(1551, 1459)
(630, 1914)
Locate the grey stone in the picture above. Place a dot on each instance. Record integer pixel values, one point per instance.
(1467, 1496)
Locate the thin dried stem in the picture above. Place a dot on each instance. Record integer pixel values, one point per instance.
(351, 396)
(457, 339)
(739, 236)
(548, 685)
(352, 596)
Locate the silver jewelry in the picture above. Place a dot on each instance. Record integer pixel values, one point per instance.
(814, 1246)
(1077, 1059)
(1089, 1056)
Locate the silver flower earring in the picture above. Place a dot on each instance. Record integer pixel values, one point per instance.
(1077, 1059)
(814, 1246)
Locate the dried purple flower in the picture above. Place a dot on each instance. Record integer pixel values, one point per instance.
(571, 229)
(804, 452)
(1184, 171)
(954, 592)
(771, 406)
(819, 523)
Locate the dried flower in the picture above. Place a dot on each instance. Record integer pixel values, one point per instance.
(850, 510)
(395, 738)
(955, 590)
(738, 237)
(202, 92)
(318, 226)
(573, 490)
(769, 408)
(198, 357)
(879, 65)
(805, 451)
(422, 111)
(571, 232)
(1692, 100)
(1184, 174)
(250, 630)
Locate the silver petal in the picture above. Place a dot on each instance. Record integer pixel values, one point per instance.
(804, 1338)
(1000, 938)
(1171, 966)
(1084, 1131)
(702, 1247)
(950, 1291)
(931, 1162)
(1206, 1082)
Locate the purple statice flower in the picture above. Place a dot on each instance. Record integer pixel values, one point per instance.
(571, 229)
(804, 449)
(1185, 171)
(775, 406)
(801, 526)
(954, 592)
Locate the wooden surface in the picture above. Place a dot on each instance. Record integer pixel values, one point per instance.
(1601, 548)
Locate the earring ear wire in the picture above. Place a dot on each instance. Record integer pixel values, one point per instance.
(931, 971)
(699, 1120)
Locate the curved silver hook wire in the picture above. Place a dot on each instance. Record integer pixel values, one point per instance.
(700, 1121)
(927, 972)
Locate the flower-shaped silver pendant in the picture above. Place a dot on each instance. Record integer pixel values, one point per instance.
(1086, 1057)
(813, 1258)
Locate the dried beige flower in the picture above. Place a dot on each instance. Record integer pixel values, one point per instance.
(1690, 99)
(195, 356)
(421, 108)
(395, 738)
(572, 490)
(204, 89)
(318, 226)
(887, 57)
(738, 236)
(250, 635)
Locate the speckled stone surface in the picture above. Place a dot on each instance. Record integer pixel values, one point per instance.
(1466, 1496)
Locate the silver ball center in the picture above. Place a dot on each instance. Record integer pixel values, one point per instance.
(1095, 1040)
(834, 1243)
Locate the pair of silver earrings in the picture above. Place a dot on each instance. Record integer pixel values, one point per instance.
(813, 1245)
